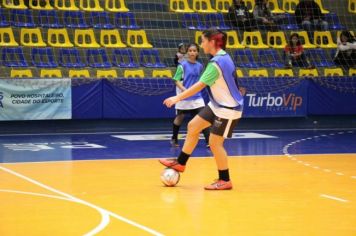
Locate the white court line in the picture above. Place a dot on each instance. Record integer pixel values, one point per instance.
(163, 131)
(334, 198)
(105, 218)
(101, 210)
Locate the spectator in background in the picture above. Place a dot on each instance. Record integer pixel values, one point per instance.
(240, 17)
(346, 50)
(180, 55)
(265, 18)
(309, 17)
(294, 53)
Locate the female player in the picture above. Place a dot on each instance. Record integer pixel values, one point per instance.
(187, 74)
(222, 112)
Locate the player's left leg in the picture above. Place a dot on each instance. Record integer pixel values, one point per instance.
(221, 129)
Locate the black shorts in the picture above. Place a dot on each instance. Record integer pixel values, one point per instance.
(191, 112)
(219, 126)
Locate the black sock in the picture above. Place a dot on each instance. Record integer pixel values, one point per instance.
(183, 158)
(175, 131)
(224, 175)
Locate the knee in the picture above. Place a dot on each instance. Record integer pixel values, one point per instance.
(193, 129)
(306, 24)
(325, 25)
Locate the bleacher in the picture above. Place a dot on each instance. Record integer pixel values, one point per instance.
(139, 38)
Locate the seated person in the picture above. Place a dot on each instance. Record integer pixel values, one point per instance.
(265, 18)
(346, 51)
(294, 53)
(309, 17)
(240, 17)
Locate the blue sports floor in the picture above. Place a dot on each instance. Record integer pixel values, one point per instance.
(51, 141)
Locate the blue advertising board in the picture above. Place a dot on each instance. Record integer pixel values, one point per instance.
(275, 97)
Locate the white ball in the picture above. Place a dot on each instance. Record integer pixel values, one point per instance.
(170, 177)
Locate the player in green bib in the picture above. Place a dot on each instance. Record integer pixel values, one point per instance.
(221, 114)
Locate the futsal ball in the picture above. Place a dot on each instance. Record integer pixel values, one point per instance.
(170, 177)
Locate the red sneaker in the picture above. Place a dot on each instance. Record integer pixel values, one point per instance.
(172, 163)
(219, 185)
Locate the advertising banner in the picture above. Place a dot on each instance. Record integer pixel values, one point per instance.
(275, 97)
(35, 99)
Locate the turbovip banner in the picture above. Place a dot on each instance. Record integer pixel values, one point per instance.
(35, 99)
(287, 101)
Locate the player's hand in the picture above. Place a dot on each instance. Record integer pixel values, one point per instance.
(169, 102)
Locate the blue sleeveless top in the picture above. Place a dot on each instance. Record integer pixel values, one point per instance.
(228, 70)
(191, 75)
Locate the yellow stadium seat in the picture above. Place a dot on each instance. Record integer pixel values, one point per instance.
(253, 40)
(38, 5)
(90, 5)
(203, 6)
(162, 73)
(276, 39)
(51, 73)
(258, 73)
(250, 4)
(85, 38)
(180, 6)
(106, 74)
(352, 72)
(79, 74)
(26, 73)
(58, 38)
(306, 42)
(289, 5)
(323, 10)
(308, 72)
(275, 7)
(116, 6)
(137, 39)
(7, 38)
(223, 5)
(134, 73)
(197, 37)
(352, 6)
(32, 37)
(233, 40)
(65, 5)
(333, 72)
(239, 73)
(14, 4)
(324, 39)
(283, 73)
(111, 39)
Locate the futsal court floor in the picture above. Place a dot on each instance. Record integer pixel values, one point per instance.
(106, 181)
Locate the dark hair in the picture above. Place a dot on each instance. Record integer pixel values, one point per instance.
(259, 2)
(218, 36)
(291, 37)
(180, 46)
(242, 3)
(194, 45)
(348, 35)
